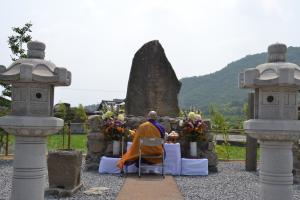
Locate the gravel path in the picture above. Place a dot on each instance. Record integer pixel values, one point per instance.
(231, 182)
(89, 179)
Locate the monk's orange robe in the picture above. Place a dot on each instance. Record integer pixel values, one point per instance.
(146, 129)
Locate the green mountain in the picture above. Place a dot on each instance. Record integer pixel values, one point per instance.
(221, 87)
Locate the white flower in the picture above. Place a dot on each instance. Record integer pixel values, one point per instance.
(198, 117)
(121, 117)
(108, 115)
(192, 116)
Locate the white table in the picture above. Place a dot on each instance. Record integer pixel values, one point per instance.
(172, 162)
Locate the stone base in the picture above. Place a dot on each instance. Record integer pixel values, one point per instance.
(59, 192)
(64, 169)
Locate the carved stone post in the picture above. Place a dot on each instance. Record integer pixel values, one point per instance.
(276, 85)
(33, 80)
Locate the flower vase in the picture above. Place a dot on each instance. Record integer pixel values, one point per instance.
(193, 149)
(116, 148)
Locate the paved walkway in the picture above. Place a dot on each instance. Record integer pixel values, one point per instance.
(149, 187)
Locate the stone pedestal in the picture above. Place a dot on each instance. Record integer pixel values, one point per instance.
(296, 162)
(29, 168)
(276, 139)
(276, 170)
(30, 153)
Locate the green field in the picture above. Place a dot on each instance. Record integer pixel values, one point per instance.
(79, 142)
(234, 152)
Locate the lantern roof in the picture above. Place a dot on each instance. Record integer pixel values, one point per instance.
(34, 69)
(276, 72)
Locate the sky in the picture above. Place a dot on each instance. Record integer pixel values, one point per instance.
(96, 39)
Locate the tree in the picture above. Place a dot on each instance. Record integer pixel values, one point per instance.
(15, 42)
(80, 115)
(220, 124)
(60, 111)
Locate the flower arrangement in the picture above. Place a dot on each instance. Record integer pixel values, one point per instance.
(194, 128)
(114, 127)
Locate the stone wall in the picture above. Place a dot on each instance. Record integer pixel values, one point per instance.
(98, 145)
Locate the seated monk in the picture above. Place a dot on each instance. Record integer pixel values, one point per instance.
(149, 129)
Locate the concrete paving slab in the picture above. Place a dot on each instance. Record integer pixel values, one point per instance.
(149, 187)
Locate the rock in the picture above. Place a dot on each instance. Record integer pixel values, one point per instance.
(152, 84)
(212, 158)
(134, 122)
(96, 145)
(64, 169)
(94, 123)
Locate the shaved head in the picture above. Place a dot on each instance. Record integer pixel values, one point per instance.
(152, 115)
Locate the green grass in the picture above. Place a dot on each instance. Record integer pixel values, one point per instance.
(78, 142)
(234, 152)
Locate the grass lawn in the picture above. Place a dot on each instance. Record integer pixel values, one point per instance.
(79, 142)
(234, 152)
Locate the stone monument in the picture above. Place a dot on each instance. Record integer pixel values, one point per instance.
(276, 85)
(152, 84)
(33, 80)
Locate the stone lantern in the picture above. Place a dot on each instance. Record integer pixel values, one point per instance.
(276, 85)
(33, 80)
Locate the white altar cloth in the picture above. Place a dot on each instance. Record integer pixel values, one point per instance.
(173, 159)
(172, 162)
(194, 166)
(108, 165)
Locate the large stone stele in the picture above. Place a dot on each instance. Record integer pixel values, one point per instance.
(152, 84)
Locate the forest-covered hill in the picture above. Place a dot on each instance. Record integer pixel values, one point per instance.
(221, 87)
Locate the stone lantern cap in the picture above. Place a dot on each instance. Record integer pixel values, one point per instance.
(34, 69)
(276, 72)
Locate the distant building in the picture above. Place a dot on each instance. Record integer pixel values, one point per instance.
(114, 104)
